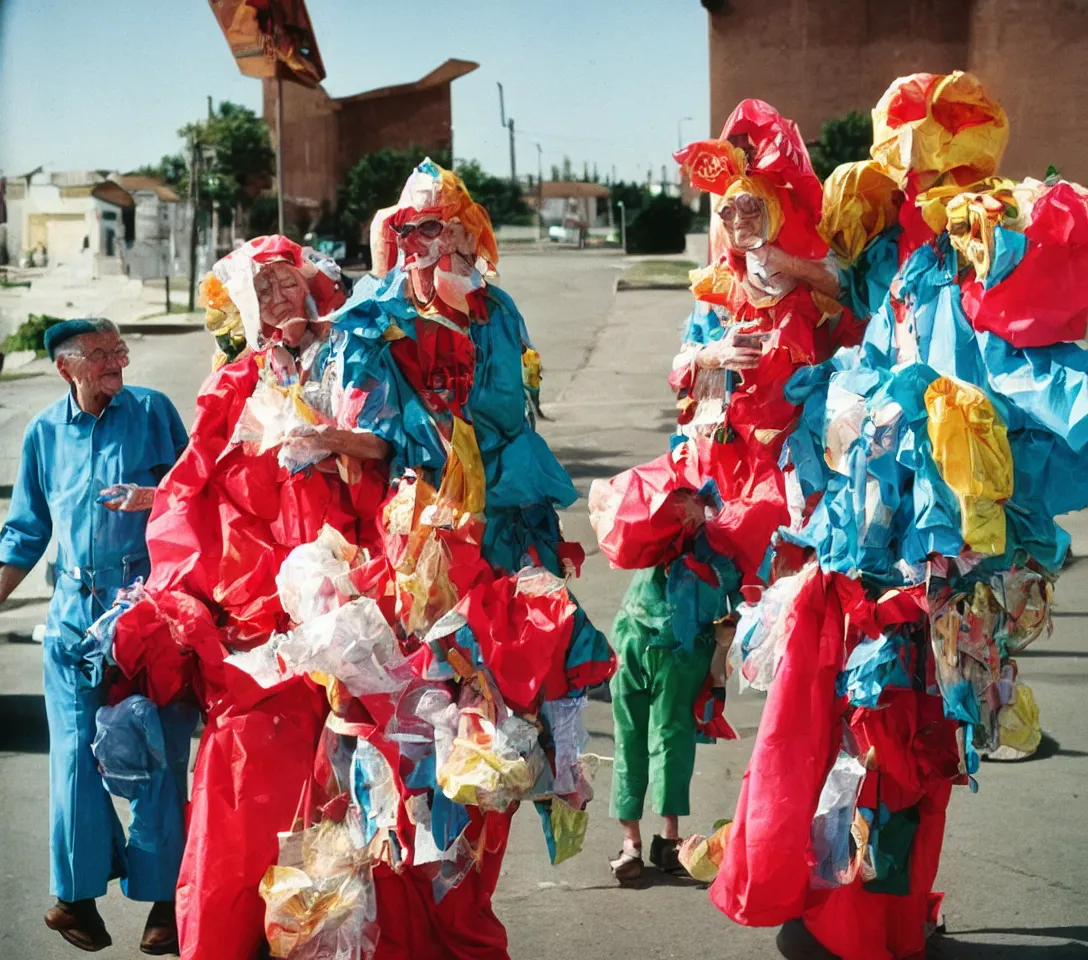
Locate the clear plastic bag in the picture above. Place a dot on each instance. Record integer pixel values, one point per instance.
(834, 863)
(319, 898)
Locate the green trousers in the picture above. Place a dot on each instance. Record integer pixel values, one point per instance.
(653, 699)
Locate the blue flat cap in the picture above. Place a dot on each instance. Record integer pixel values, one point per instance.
(65, 330)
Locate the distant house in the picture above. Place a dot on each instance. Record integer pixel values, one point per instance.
(569, 202)
(75, 218)
(159, 225)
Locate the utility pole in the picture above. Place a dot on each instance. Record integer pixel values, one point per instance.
(540, 190)
(679, 134)
(194, 202)
(279, 150)
(215, 206)
(509, 124)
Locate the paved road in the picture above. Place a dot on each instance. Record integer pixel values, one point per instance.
(1016, 860)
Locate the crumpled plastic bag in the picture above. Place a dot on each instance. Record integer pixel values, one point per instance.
(314, 577)
(834, 865)
(564, 828)
(762, 630)
(353, 643)
(1018, 730)
(1025, 597)
(491, 764)
(860, 202)
(972, 452)
(702, 856)
(928, 126)
(374, 792)
(319, 897)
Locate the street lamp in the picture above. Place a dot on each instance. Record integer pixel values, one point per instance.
(679, 135)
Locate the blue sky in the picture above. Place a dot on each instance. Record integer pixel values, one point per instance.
(107, 83)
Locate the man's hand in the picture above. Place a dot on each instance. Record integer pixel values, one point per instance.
(735, 352)
(324, 439)
(10, 578)
(127, 497)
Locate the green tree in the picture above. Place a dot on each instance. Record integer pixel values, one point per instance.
(556, 174)
(172, 169)
(842, 139)
(501, 198)
(235, 158)
(374, 182)
(661, 227)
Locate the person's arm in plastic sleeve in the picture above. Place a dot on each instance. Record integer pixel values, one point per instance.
(357, 444)
(29, 525)
(816, 273)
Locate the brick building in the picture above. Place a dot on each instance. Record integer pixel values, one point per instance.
(324, 136)
(817, 60)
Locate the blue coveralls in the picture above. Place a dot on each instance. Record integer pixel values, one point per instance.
(68, 458)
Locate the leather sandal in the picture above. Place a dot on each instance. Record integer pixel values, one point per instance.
(160, 937)
(627, 866)
(80, 924)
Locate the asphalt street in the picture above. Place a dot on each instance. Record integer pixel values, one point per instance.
(1015, 866)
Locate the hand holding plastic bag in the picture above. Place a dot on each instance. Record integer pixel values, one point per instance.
(127, 497)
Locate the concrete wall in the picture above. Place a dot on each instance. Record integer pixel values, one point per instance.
(817, 60)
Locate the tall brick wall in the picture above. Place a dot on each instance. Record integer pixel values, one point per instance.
(817, 60)
(324, 137)
(1032, 56)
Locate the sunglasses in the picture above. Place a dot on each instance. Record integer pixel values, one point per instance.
(426, 228)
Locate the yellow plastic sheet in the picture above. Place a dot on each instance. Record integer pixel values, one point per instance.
(1018, 722)
(971, 218)
(568, 830)
(860, 202)
(928, 127)
(971, 449)
(464, 486)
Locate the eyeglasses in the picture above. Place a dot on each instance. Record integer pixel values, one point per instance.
(427, 228)
(99, 357)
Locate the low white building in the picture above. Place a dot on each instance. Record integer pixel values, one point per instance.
(75, 219)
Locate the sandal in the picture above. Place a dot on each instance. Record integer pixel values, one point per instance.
(627, 867)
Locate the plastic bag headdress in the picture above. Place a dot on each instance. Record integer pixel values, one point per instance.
(265, 283)
(433, 193)
(761, 154)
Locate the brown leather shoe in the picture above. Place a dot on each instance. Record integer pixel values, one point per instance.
(80, 924)
(160, 937)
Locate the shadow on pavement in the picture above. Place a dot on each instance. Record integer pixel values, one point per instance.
(1070, 942)
(1049, 747)
(23, 725)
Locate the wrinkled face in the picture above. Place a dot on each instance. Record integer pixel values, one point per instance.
(281, 292)
(97, 368)
(744, 217)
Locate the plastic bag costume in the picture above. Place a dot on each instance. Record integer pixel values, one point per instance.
(929, 527)
(697, 523)
(389, 644)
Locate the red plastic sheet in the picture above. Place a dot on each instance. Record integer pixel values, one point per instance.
(223, 523)
(764, 878)
(1045, 299)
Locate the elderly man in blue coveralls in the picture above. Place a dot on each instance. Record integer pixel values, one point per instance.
(90, 463)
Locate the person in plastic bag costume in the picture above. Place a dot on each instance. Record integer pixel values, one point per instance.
(268, 466)
(697, 523)
(471, 700)
(929, 530)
